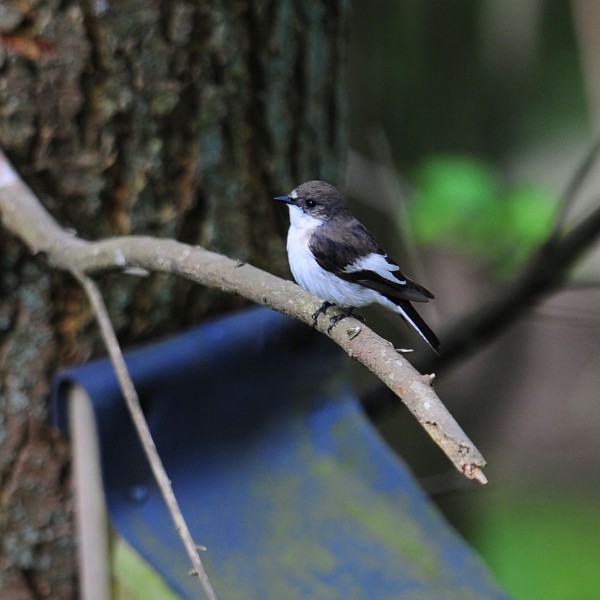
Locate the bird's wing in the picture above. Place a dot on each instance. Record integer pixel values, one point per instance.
(354, 255)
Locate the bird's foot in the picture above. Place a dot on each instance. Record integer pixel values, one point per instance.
(344, 315)
(320, 311)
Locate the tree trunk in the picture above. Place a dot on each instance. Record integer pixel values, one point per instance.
(176, 119)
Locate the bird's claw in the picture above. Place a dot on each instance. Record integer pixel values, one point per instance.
(321, 310)
(333, 321)
(337, 318)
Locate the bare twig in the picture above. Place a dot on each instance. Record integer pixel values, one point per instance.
(545, 273)
(573, 187)
(24, 216)
(137, 416)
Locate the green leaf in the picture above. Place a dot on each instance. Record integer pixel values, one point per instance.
(459, 203)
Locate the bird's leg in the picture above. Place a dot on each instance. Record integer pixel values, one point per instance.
(344, 315)
(321, 310)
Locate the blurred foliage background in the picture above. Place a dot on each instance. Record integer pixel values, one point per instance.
(467, 122)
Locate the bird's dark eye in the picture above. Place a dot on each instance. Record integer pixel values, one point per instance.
(310, 203)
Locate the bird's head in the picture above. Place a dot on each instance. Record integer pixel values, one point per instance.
(315, 199)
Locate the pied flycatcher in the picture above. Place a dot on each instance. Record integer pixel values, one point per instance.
(334, 256)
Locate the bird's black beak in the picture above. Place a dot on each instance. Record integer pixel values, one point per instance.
(285, 199)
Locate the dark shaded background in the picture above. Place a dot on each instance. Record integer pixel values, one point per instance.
(500, 98)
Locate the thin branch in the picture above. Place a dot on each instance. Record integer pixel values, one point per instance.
(25, 217)
(137, 416)
(573, 187)
(581, 286)
(544, 274)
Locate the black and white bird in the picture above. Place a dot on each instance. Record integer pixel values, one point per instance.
(335, 257)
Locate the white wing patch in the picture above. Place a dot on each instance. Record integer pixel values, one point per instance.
(377, 263)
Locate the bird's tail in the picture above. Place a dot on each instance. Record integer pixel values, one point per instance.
(408, 312)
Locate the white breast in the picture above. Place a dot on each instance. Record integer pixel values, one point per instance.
(302, 263)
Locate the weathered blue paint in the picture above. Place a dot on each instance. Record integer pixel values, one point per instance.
(276, 469)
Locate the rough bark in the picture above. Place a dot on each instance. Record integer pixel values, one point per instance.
(177, 119)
